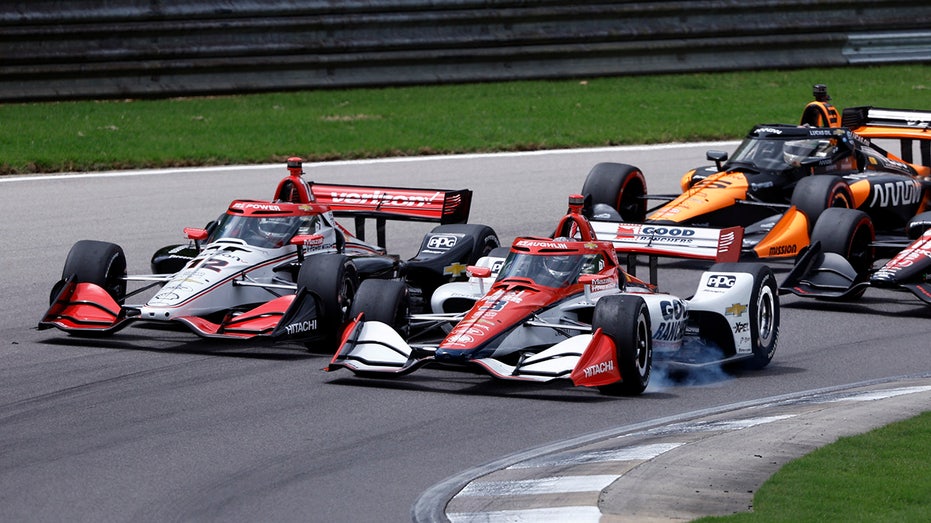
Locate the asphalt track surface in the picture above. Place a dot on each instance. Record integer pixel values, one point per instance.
(154, 425)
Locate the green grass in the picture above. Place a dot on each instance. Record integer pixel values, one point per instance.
(360, 123)
(883, 475)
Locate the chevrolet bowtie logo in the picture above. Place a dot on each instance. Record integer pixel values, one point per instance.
(455, 270)
(736, 309)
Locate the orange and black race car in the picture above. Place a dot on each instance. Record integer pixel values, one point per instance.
(782, 177)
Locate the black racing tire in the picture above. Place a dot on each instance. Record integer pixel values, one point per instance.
(484, 237)
(100, 263)
(813, 194)
(849, 233)
(619, 185)
(626, 320)
(334, 279)
(387, 301)
(763, 311)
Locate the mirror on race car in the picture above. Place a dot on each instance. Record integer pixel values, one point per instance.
(194, 233)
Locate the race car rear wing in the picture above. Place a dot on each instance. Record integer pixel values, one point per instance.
(670, 241)
(906, 125)
(393, 203)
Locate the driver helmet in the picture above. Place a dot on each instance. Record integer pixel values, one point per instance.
(796, 152)
(274, 230)
(559, 267)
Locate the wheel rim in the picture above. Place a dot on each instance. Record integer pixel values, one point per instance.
(840, 200)
(346, 293)
(766, 316)
(642, 354)
(860, 252)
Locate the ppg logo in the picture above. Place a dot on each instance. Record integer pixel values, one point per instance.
(442, 241)
(721, 281)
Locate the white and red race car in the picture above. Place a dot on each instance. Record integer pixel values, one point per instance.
(563, 307)
(282, 269)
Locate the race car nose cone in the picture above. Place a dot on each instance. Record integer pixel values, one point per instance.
(451, 356)
(883, 279)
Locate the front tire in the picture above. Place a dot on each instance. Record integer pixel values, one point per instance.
(619, 185)
(333, 279)
(100, 263)
(849, 233)
(386, 301)
(626, 320)
(763, 311)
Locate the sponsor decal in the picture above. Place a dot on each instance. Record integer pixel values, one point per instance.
(256, 206)
(459, 339)
(542, 244)
(769, 130)
(442, 241)
(721, 281)
(301, 326)
(672, 310)
(598, 368)
(907, 259)
(602, 284)
(315, 240)
(665, 235)
(902, 192)
(741, 327)
(737, 309)
(666, 231)
(384, 198)
(780, 250)
(455, 270)
(670, 331)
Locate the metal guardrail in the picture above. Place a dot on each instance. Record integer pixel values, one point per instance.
(155, 48)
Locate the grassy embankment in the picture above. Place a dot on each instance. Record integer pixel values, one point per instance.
(324, 125)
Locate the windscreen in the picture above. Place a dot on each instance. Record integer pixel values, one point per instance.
(262, 231)
(549, 270)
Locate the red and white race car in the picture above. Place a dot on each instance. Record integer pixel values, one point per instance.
(563, 307)
(282, 269)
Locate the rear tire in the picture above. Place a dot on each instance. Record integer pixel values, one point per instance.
(815, 193)
(386, 301)
(100, 263)
(763, 311)
(619, 185)
(626, 320)
(333, 278)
